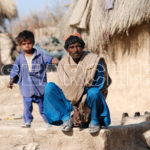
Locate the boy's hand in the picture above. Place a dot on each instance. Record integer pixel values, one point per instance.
(10, 84)
(55, 61)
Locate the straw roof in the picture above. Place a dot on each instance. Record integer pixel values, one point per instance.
(97, 25)
(7, 9)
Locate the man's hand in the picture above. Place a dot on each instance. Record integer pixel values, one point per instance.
(10, 84)
(76, 117)
(55, 61)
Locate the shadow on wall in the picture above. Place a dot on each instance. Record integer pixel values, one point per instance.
(128, 43)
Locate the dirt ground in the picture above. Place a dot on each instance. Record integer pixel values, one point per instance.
(11, 106)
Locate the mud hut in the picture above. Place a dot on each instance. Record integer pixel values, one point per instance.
(122, 35)
(7, 11)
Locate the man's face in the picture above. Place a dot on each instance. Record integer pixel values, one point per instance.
(27, 46)
(75, 51)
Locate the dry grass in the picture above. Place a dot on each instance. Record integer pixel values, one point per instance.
(7, 9)
(102, 24)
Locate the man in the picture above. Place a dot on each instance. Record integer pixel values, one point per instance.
(82, 87)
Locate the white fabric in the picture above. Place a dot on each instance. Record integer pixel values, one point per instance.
(29, 61)
(79, 17)
(85, 18)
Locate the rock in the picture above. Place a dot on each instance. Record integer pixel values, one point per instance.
(147, 137)
(30, 146)
(17, 116)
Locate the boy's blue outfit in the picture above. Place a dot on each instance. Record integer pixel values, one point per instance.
(31, 83)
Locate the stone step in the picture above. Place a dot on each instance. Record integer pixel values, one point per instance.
(38, 137)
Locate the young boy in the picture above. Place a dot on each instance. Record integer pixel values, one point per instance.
(29, 71)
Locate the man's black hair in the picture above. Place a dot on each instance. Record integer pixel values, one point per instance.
(24, 36)
(73, 40)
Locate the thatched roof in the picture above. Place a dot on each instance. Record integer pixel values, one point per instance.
(7, 9)
(97, 25)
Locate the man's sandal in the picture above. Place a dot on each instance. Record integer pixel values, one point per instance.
(67, 126)
(93, 128)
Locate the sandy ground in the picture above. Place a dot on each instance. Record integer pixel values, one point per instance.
(11, 106)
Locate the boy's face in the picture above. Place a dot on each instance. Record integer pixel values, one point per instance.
(27, 46)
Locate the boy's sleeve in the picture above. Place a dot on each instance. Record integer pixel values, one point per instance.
(15, 70)
(47, 59)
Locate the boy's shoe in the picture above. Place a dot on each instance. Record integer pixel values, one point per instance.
(93, 128)
(47, 125)
(67, 126)
(26, 125)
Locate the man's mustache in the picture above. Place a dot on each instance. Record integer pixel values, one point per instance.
(76, 53)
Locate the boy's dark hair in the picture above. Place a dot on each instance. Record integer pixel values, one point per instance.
(73, 39)
(24, 36)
